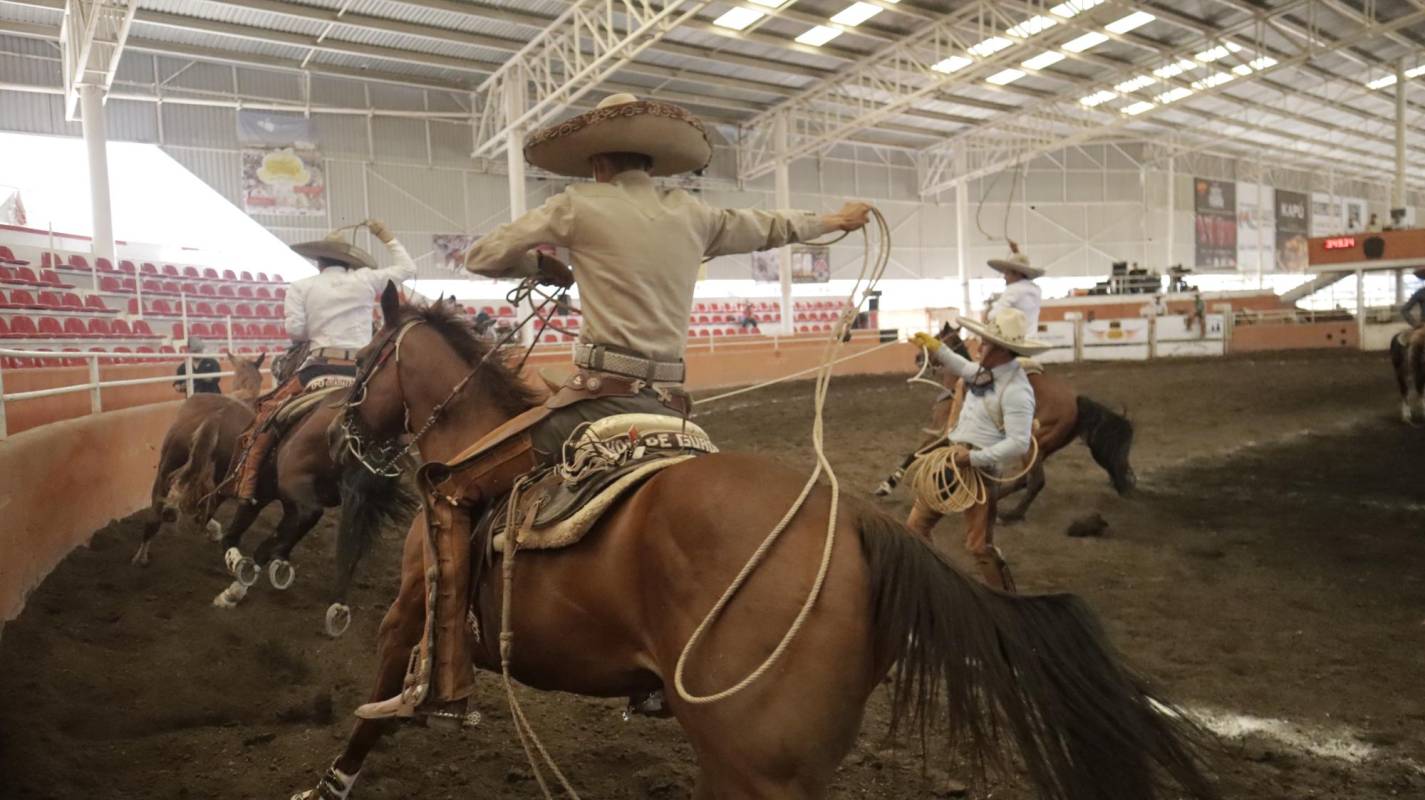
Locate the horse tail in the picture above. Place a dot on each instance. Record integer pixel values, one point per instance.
(1035, 670)
(1109, 436)
(192, 483)
(369, 502)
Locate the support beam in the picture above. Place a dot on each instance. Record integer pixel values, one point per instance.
(96, 146)
(962, 247)
(1397, 196)
(782, 199)
(514, 102)
(559, 69)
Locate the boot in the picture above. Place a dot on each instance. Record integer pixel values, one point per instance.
(994, 571)
(250, 469)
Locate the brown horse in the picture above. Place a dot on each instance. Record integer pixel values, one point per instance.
(609, 616)
(196, 452)
(1061, 415)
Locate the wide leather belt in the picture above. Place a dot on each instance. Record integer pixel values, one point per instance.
(630, 365)
(335, 353)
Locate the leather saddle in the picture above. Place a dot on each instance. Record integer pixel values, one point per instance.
(602, 461)
(297, 408)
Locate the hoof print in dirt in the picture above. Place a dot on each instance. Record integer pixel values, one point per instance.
(1092, 525)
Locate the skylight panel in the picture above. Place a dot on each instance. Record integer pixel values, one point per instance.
(1263, 62)
(1138, 108)
(1134, 84)
(1084, 42)
(1217, 53)
(855, 14)
(771, 3)
(1215, 79)
(1242, 70)
(1073, 8)
(1174, 70)
(951, 64)
(1381, 82)
(1032, 26)
(738, 18)
(990, 46)
(1098, 98)
(1044, 59)
(818, 36)
(1174, 95)
(1415, 72)
(1005, 76)
(1125, 24)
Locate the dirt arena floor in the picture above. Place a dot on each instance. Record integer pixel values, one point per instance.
(1270, 573)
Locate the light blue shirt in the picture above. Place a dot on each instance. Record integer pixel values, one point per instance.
(1011, 400)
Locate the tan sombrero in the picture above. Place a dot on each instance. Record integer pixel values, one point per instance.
(1008, 329)
(621, 123)
(337, 248)
(1018, 262)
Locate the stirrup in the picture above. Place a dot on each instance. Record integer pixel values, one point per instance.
(451, 715)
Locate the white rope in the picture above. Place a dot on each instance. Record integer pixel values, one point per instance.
(871, 272)
(919, 377)
(948, 488)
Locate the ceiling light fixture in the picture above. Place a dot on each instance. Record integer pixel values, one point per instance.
(1125, 24)
(1381, 82)
(1138, 108)
(855, 14)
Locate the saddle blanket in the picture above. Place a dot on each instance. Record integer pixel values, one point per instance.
(293, 410)
(602, 461)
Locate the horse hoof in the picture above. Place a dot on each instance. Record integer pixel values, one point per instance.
(281, 573)
(338, 619)
(140, 558)
(215, 530)
(241, 567)
(231, 596)
(884, 490)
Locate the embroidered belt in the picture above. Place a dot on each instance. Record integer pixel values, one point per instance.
(335, 353)
(630, 365)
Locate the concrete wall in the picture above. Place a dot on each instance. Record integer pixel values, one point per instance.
(61, 482)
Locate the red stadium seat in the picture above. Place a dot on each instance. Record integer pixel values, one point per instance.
(271, 331)
(262, 311)
(171, 271)
(49, 326)
(143, 348)
(49, 277)
(245, 276)
(7, 275)
(207, 290)
(22, 328)
(245, 292)
(148, 268)
(262, 294)
(151, 286)
(7, 256)
(133, 305)
(71, 302)
(242, 310)
(220, 330)
(104, 265)
(121, 328)
(199, 329)
(127, 267)
(171, 287)
(166, 349)
(74, 327)
(98, 326)
(210, 273)
(49, 300)
(4, 329)
(177, 332)
(5, 302)
(23, 299)
(141, 328)
(229, 275)
(95, 303)
(222, 309)
(506, 311)
(50, 261)
(225, 290)
(280, 293)
(26, 275)
(191, 272)
(160, 306)
(189, 289)
(203, 309)
(129, 285)
(78, 262)
(262, 277)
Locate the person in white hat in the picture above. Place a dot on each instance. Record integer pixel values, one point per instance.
(994, 429)
(330, 312)
(1020, 290)
(635, 249)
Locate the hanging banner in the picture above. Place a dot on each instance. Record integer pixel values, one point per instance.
(765, 266)
(1215, 203)
(450, 249)
(1332, 214)
(811, 264)
(1256, 228)
(281, 167)
(1293, 213)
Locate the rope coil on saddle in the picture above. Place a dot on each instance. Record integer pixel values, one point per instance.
(871, 271)
(948, 488)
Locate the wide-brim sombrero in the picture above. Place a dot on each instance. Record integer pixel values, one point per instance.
(336, 248)
(669, 135)
(1007, 328)
(1018, 262)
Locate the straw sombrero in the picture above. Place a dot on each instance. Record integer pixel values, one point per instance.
(621, 123)
(337, 248)
(1008, 329)
(1018, 262)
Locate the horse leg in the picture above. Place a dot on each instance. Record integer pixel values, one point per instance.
(398, 635)
(1033, 484)
(276, 551)
(892, 480)
(242, 568)
(158, 514)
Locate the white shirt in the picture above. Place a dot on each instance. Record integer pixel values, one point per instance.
(334, 307)
(1023, 295)
(1010, 401)
(636, 250)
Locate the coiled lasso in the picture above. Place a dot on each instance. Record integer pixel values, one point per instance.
(948, 488)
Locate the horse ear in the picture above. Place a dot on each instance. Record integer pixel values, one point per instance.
(945, 329)
(229, 354)
(260, 358)
(390, 304)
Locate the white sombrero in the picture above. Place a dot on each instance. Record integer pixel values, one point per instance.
(1017, 262)
(337, 248)
(1008, 329)
(621, 123)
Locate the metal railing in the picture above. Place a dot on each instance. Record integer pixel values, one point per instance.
(95, 384)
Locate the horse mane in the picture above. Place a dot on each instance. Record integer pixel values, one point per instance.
(500, 381)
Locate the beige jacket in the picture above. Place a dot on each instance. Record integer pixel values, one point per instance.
(636, 250)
